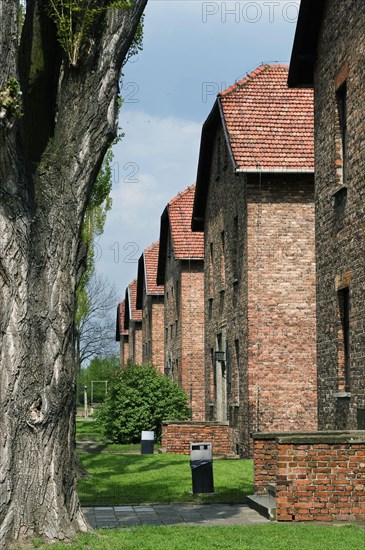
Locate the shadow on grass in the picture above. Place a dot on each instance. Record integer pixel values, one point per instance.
(125, 479)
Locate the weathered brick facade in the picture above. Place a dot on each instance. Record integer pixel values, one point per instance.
(133, 323)
(181, 270)
(150, 299)
(124, 350)
(122, 334)
(336, 44)
(316, 476)
(259, 284)
(177, 436)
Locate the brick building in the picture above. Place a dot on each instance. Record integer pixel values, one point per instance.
(329, 55)
(122, 334)
(181, 270)
(133, 323)
(150, 299)
(254, 201)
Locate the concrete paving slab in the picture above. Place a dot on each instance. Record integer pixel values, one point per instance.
(174, 514)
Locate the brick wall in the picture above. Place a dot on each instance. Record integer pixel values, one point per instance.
(260, 300)
(226, 296)
(172, 316)
(318, 476)
(281, 303)
(153, 331)
(176, 436)
(135, 342)
(124, 349)
(157, 312)
(184, 328)
(340, 221)
(265, 461)
(192, 336)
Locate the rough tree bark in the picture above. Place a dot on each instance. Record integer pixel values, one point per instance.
(48, 162)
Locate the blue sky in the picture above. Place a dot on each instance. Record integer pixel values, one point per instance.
(191, 50)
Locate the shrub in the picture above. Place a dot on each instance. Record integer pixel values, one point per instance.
(139, 398)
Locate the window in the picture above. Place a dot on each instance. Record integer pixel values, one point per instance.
(177, 297)
(237, 373)
(221, 302)
(344, 340)
(178, 372)
(361, 419)
(341, 99)
(339, 208)
(222, 259)
(212, 358)
(210, 308)
(210, 274)
(235, 294)
(235, 248)
(228, 364)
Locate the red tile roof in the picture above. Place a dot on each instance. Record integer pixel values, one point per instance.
(150, 257)
(134, 313)
(122, 330)
(186, 244)
(269, 126)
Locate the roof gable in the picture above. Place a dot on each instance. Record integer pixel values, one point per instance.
(147, 274)
(131, 313)
(268, 127)
(185, 244)
(176, 222)
(120, 330)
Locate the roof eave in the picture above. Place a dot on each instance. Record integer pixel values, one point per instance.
(141, 273)
(226, 135)
(192, 259)
(275, 170)
(126, 310)
(164, 229)
(304, 53)
(204, 165)
(117, 333)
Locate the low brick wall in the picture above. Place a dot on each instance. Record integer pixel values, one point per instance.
(318, 476)
(265, 454)
(176, 436)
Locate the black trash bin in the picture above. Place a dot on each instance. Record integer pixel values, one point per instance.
(147, 442)
(201, 463)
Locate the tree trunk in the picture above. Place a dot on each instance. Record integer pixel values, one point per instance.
(48, 162)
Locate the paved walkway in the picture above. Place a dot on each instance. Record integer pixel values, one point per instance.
(172, 514)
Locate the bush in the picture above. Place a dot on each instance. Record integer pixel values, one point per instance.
(139, 398)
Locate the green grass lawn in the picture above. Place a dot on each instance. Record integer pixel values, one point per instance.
(88, 430)
(255, 537)
(124, 479)
(118, 478)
